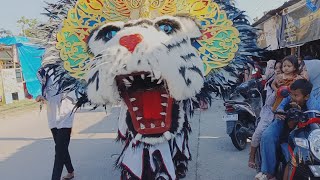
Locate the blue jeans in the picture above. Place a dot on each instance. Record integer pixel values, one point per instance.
(285, 151)
(268, 145)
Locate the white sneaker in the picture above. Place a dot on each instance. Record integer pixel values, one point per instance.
(261, 176)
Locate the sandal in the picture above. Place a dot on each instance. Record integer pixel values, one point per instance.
(251, 162)
(67, 177)
(252, 165)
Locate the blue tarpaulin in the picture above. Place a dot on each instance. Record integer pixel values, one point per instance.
(30, 57)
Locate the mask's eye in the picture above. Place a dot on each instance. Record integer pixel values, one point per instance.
(166, 28)
(110, 34)
(107, 33)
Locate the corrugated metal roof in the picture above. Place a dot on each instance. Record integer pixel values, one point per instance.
(275, 11)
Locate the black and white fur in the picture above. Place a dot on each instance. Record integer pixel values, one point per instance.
(168, 57)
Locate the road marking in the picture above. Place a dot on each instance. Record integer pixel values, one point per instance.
(208, 137)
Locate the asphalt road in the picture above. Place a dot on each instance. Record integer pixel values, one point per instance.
(27, 148)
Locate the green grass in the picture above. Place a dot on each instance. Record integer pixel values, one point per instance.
(19, 106)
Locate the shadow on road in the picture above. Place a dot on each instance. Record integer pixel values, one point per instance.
(93, 158)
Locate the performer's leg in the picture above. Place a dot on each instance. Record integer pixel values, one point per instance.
(62, 156)
(67, 160)
(58, 160)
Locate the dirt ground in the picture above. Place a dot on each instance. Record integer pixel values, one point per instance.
(17, 108)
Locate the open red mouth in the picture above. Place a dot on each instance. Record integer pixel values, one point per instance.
(148, 101)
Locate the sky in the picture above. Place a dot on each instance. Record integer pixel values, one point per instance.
(12, 10)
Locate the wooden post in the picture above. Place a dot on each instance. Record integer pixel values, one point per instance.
(14, 56)
(293, 51)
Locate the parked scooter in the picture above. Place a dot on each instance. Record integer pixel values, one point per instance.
(242, 112)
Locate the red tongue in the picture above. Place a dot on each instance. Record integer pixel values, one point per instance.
(151, 105)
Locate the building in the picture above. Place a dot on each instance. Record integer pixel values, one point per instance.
(11, 79)
(291, 29)
(19, 63)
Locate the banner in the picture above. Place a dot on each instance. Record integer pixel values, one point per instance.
(300, 26)
(269, 33)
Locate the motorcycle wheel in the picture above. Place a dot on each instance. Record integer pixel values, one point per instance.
(239, 140)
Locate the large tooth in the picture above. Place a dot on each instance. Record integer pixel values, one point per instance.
(163, 113)
(139, 118)
(142, 126)
(142, 76)
(135, 108)
(157, 74)
(152, 125)
(138, 137)
(149, 75)
(160, 81)
(165, 95)
(164, 104)
(126, 82)
(132, 99)
(163, 124)
(167, 135)
(131, 77)
(152, 79)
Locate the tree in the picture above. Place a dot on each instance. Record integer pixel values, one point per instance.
(28, 26)
(5, 33)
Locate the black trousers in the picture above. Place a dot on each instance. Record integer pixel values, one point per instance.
(62, 157)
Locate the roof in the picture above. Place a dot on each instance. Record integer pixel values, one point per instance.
(275, 11)
(13, 40)
(6, 53)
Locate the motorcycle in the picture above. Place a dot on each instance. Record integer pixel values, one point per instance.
(304, 145)
(242, 112)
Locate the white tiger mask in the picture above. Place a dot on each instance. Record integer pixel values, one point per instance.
(150, 65)
(157, 50)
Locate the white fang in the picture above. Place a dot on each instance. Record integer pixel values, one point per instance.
(165, 95)
(139, 118)
(135, 108)
(163, 124)
(142, 76)
(131, 77)
(126, 82)
(163, 113)
(132, 99)
(167, 135)
(138, 137)
(157, 74)
(164, 104)
(152, 125)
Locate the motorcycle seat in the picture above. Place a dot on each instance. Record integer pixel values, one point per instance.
(237, 102)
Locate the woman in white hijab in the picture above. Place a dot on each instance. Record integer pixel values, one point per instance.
(311, 71)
